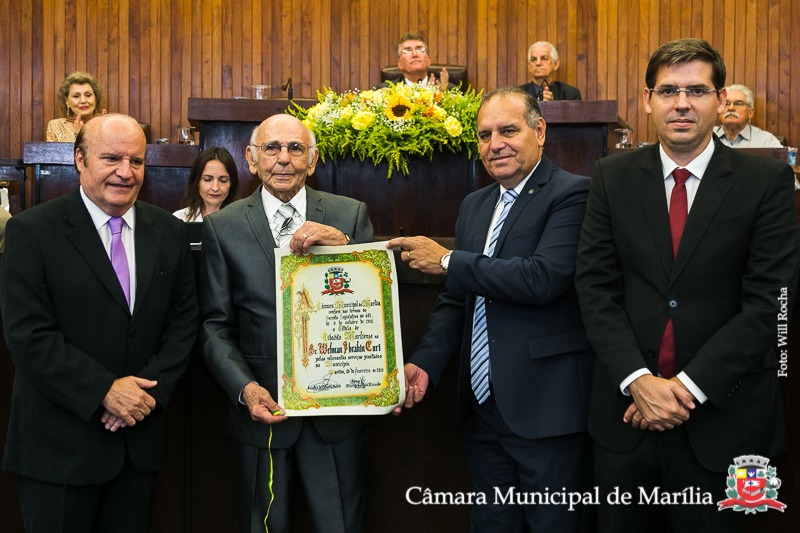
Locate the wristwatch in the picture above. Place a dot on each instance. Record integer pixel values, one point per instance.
(445, 262)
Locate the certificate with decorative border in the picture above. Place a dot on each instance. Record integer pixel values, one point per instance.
(339, 345)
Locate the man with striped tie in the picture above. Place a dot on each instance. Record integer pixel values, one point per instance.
(510, 310)
(239, 337)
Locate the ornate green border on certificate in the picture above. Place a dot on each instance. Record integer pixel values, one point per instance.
(294, 399)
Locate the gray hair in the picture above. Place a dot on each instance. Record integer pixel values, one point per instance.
(553, 51)
(312, 148)
(748, 94)
(532, 111)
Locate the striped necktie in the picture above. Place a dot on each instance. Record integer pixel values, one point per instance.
(285, 231)
(479, 361)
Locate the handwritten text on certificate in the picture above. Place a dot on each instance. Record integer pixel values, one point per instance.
(339, 348)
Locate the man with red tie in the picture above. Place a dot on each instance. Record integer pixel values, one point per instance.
(688, 253)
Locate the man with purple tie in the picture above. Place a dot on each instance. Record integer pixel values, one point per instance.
(100, 315)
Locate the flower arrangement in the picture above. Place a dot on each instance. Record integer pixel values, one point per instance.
(393, 123)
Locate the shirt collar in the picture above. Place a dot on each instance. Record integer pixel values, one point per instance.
(745, 134)
(100, 218)
(423, 82)
(696, 166)
(271, 204)
(521, 186)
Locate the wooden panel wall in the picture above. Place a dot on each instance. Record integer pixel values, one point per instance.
(151, 55)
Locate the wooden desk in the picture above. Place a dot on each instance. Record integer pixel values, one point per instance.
(166, 172)
(12, 175)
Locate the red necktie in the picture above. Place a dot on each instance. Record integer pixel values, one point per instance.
(678, 208)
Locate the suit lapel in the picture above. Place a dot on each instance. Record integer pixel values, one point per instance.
(711, 193)
(148, 243)
(83, 235)
(539, 179)
(260, 225)
(483, 217)
(650, 189)
(315, 209)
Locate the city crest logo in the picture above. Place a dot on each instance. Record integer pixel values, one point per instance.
(337, 281)
(752, 486)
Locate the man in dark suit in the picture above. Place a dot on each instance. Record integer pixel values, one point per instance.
(239, 337)
(413, 60)
(683, 321)
(97, 354)
(542, 63)
(510, 306)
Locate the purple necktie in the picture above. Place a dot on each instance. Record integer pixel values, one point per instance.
(119, 259)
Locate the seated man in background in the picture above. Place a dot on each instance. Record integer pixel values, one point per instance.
(542, 63)
(736, 130)
(413, 61)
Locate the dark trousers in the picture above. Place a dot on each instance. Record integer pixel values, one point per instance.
(332, 476)
(500, 460)
(121, 505)
(665, 460)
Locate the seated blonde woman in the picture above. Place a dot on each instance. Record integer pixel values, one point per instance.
(79, 97)
(213, 183)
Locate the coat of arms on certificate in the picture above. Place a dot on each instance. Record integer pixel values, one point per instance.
(339, 344)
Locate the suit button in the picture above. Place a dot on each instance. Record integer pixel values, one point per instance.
(132, 332)
(673, 303)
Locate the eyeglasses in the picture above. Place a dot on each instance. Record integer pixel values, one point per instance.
(669, 92)
(408, 50)
(737, 103)
(273, 149)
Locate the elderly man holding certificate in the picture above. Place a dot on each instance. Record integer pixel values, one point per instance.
(239, 335)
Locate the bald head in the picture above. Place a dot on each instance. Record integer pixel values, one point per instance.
(291, 155)
(97, 125)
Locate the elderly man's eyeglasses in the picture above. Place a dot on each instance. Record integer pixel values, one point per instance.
(273, 149)
(736, 103)
(408, 50)
(668, 92)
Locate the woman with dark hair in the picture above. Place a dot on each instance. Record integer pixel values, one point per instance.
(213, 183)
(79, 97)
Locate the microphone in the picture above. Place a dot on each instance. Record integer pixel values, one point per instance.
(545, 87)
(288, 88)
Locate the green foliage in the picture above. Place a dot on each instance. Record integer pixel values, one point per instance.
(392, 124)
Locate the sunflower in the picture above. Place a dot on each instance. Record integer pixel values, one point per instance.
(398, 107)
